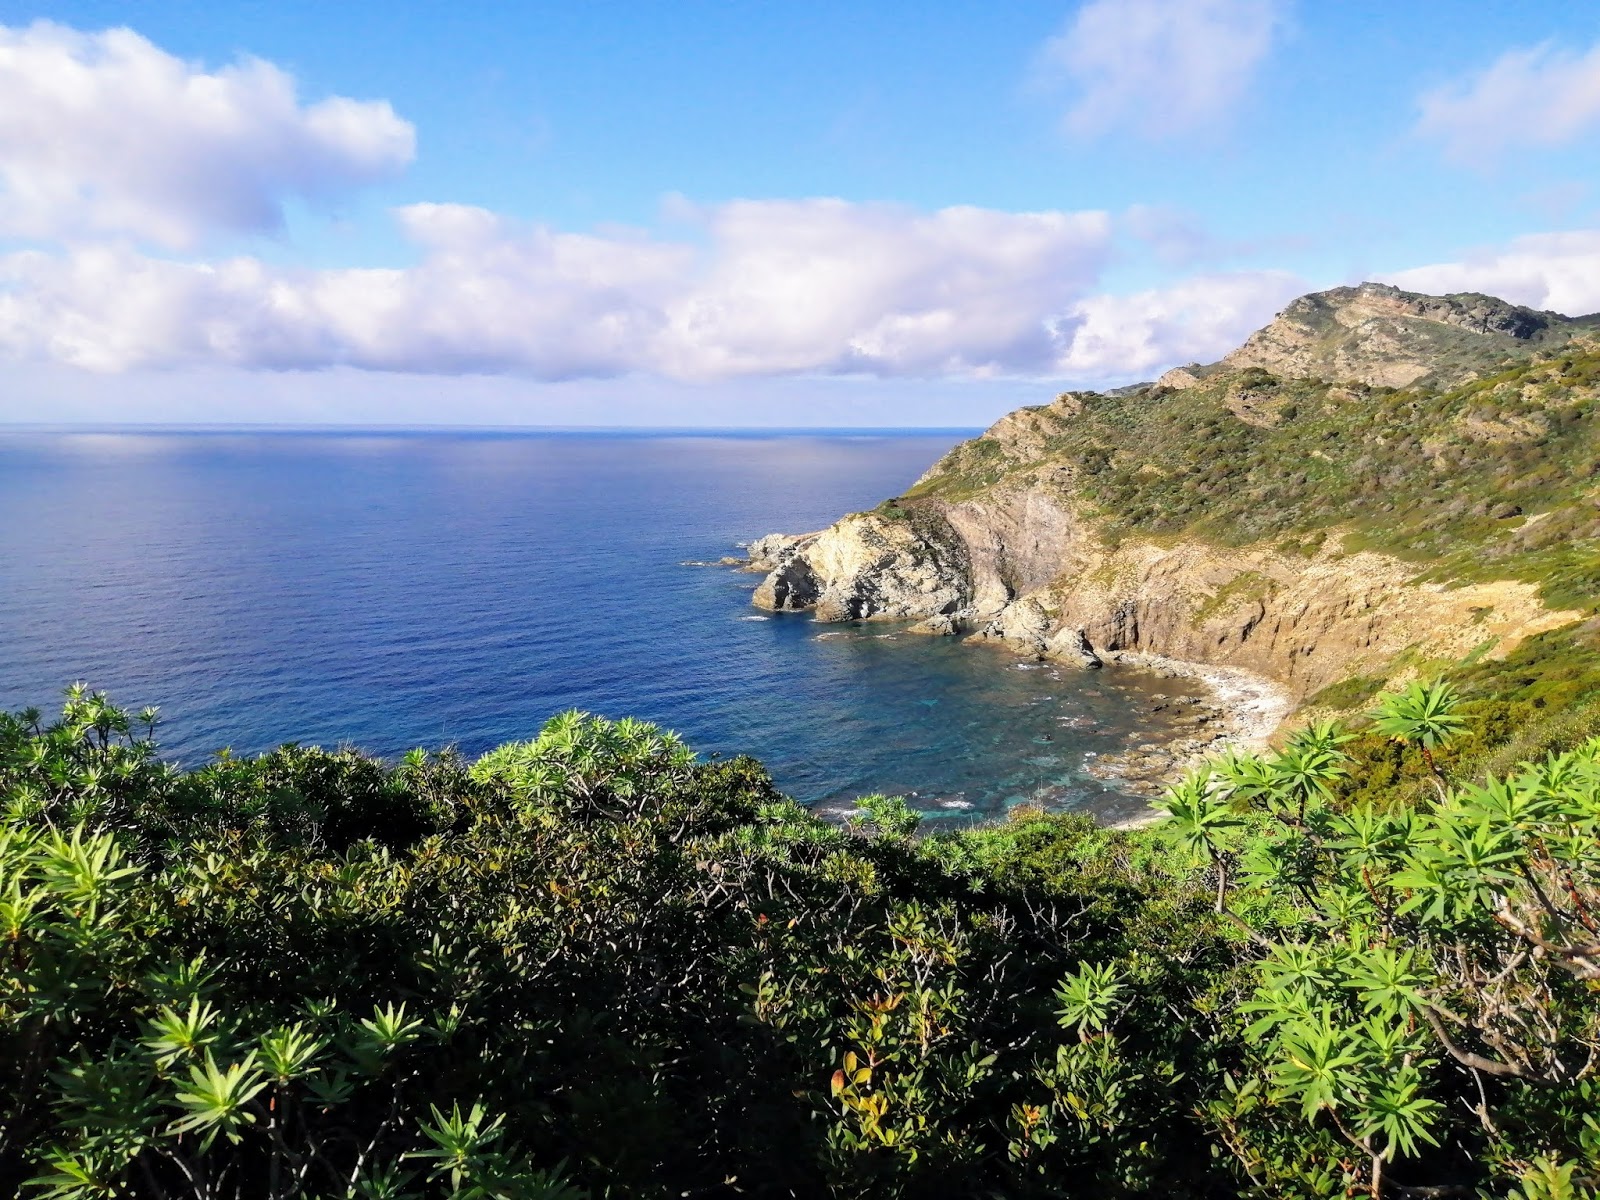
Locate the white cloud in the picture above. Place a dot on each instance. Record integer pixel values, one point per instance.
(823, 285)
(108, 143)
(105, 133)
(774, 287)
(1544, 95)
(1159, 67)
(1196, 320)
(1559, 271)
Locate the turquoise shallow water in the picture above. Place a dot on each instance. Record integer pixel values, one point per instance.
(393, 590)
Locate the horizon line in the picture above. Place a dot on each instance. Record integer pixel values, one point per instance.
(224, 427)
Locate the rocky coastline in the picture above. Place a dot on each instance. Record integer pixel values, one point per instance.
(1240, 710)
(1237, 708)
(1261, 630)
(1004, 540)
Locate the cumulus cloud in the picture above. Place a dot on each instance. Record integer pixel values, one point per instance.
(1544, 95)
(109, 145)
(1195, 320)
(105, 133)
(824, 285)
(1559, 271)
(1159, 67)
(771, 287)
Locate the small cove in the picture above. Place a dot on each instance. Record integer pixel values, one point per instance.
(391, 590)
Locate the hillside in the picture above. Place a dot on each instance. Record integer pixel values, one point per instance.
(1284, 510)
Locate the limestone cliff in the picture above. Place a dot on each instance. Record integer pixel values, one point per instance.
(1309, 527)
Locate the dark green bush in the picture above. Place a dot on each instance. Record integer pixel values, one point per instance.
(591, 965)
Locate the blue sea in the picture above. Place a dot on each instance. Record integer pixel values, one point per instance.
(391, 590)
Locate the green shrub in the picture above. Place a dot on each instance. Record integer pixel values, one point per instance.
(590, 964)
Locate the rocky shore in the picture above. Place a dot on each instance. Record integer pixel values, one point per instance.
(1048, 534)
(1235, 707)
(1024, 565)
(1240, 710)
(1022, 568)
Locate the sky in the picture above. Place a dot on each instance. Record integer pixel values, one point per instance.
(731, 213)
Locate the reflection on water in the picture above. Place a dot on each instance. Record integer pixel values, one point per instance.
(396, 590)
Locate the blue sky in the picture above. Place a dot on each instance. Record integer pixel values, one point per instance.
(743, 213)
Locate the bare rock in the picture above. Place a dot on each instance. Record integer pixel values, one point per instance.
(767, 553)
(1047, 586)
(1072, 646)
(871, 565)
(1180, 378)
(1384, 337)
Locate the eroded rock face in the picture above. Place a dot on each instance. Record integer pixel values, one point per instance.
(789, 587)
(871, 565)
(1020, 567)
(768, 552)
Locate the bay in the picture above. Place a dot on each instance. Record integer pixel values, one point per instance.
(395, 589)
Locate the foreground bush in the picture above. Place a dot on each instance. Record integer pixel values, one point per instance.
(1427, 995)
(592, 965)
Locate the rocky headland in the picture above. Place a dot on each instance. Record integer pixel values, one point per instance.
(1375, 483)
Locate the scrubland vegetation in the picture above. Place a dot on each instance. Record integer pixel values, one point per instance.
(594, 965)
(1491, 479)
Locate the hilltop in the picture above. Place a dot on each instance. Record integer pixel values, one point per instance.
(1375, 484)
(1384, 337)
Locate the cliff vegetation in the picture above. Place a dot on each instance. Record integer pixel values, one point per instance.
(1376, 486)
(1496, 478)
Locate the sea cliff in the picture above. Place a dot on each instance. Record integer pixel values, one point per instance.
(1375, 482)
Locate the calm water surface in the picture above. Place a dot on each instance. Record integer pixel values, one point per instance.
(393, 590)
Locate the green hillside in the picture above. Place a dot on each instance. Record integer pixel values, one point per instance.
(1496, 478)
(1492, 477)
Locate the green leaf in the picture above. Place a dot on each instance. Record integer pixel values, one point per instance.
(1424, 714)
(217, 1098)
(1395, 1109)
(1087, 997)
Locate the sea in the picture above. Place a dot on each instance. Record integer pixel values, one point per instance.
(397, 589)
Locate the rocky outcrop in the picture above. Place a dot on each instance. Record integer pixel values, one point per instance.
(1024, 569)
(1001, 542)
(868, 565)
(1384, 337)
(766, 553)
